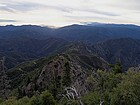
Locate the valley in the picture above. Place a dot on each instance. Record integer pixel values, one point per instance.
(72, 65)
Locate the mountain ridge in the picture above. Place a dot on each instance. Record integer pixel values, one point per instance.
(74, 32)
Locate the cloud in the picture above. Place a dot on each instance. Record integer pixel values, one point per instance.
(5, 20)
(6, 9)
(84, 17)
(125, 4)
(59, 8)
(99, 12)
(18, 6)
(65, 11)
(30, 6)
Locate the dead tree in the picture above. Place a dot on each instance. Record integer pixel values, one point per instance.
(72, 94)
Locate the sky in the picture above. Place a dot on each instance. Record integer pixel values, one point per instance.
(66, 12)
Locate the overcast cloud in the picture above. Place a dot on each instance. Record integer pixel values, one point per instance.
(65, 12)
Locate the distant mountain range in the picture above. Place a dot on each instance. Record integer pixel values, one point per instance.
(88, 33)
(110, 41)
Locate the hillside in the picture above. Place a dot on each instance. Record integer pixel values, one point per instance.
(125, 50)
(55, 72)
(17, 50)
(72, 79)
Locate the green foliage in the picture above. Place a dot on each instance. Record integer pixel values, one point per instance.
(127, 92)
(47, 99)
(72, 102)
(1, 100)
(91, 99)
(43, 99)
(35, 100)
(114, 89)
(64, 101)
(23, 101)
(10, 101)
(102, 84)
(106, 87)
(66, 78)
(117, 68)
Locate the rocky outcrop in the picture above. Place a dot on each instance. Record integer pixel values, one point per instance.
(63, 71)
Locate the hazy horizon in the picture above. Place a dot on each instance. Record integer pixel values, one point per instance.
(62, 13)
(85, 23)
